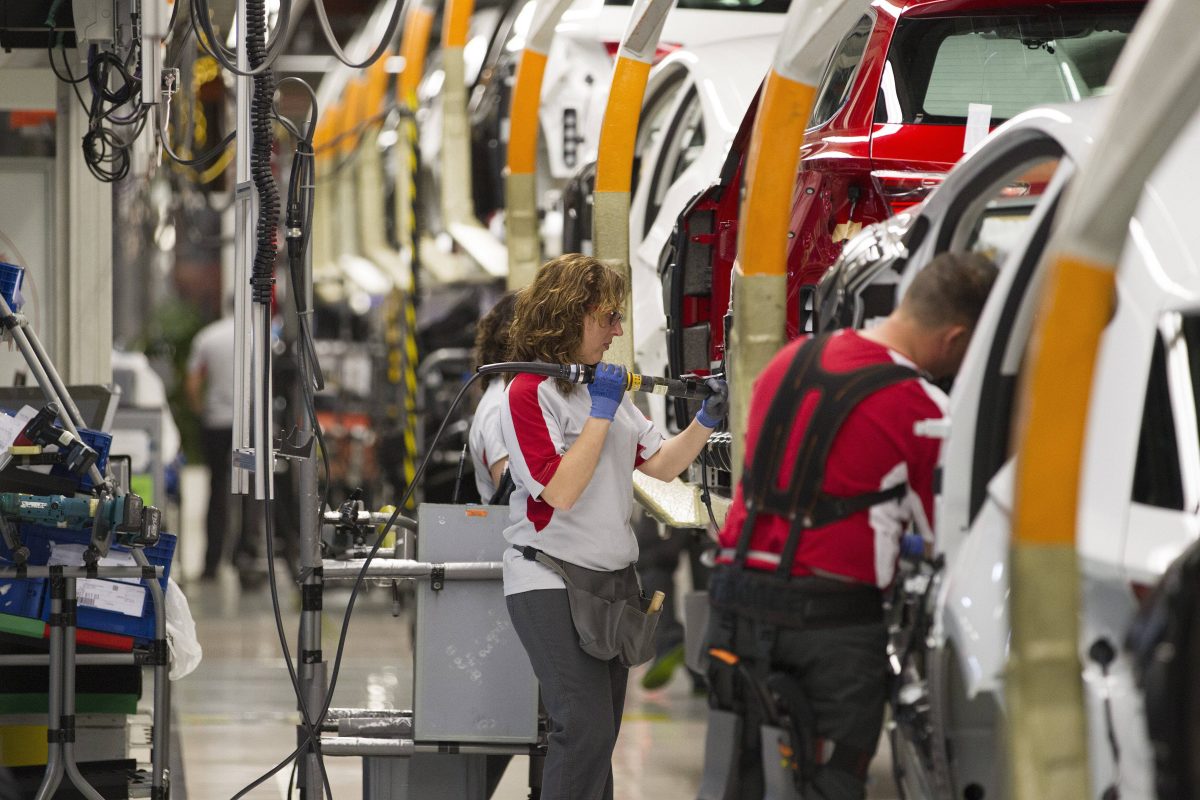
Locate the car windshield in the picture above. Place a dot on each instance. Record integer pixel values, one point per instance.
(944, 70)
(769, 6)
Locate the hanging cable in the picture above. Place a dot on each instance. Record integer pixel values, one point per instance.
(384, 42)
(207, 38)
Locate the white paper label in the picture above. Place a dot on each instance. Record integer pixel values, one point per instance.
(111, 596)
(979, 123)
(122, 595)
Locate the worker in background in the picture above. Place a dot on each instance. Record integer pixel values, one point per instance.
(488, 451)
(834, 475)
(210, 394)
(572, 452)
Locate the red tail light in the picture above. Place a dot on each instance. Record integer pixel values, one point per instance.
(1141, 591)
(904, 190)
(662, 51)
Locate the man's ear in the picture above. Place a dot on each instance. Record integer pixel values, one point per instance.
(956, 336)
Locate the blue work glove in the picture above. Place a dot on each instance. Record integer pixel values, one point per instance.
(716, 405)
(607, 388)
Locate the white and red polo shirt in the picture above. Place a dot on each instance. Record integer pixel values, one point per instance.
(874, 449)
(485, 440)
(539, 423)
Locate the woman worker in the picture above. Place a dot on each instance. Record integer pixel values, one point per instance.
(572, 452)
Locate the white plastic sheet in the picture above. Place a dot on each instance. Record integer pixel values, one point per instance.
(181, 633)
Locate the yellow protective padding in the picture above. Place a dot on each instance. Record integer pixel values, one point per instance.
(1076, 305)
(413, 46)
(524, 245)
(618, 132)
(1043, 689)
(376, 91)
(523, 113)
(610, 240)
(771, 175)
(758, 333)
(458, 205)
(457, 22)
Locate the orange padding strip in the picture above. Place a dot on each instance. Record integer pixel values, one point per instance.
(527, 94)
(377, 81)
(775, 146)
(1076, 306)
(723, 655)
(618, 133)
(413, 47)
(458, 22)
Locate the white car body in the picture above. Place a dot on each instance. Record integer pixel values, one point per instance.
(703, 89)
(579, 67)
(1122, 539)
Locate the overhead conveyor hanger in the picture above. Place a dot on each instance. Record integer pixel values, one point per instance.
(520, 180)
(674, 503)
(414, 44)
(1157, 94)
(614, 161)
(458, 208)
(811, 31)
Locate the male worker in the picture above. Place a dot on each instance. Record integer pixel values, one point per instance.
(210, 393)
(834, 475)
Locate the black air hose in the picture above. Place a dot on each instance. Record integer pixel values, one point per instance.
(720, 450)
(263, 275)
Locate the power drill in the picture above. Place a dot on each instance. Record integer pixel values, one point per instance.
(133, 523)
(73, 452)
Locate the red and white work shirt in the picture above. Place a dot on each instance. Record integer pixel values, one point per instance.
(485, 440)
(539, 423)
(875, 449)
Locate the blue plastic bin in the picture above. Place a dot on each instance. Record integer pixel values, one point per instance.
(11, 279)
(98, 441)
(139, 625)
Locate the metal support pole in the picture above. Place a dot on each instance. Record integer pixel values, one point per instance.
(243, 238)
(160, 740)
(68, 696)
(54, 765)
(404, 568)
(312, 671)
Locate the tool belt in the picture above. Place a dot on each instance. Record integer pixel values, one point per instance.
(796, 603)
(607, 608)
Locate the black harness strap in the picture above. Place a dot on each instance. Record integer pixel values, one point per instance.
(803, 502)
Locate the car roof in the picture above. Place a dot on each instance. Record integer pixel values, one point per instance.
(938, 7)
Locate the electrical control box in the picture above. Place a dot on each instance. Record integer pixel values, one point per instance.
(472, 681)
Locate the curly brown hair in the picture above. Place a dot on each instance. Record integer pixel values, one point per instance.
(548, 323)
(491, 334)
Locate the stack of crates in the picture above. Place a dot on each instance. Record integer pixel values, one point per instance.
(111, 615)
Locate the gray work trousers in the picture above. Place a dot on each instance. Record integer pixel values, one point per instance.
(584, 697)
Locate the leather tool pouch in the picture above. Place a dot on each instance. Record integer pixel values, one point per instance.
(608, 610)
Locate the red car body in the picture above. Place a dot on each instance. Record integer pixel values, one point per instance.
(867, 159)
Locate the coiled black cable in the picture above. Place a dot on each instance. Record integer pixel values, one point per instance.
(261, 114)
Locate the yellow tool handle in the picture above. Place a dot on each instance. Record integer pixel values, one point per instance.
(656, 603)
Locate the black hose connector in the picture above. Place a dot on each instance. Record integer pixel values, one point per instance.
(262, 278)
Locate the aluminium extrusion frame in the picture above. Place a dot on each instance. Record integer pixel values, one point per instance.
(63, 659)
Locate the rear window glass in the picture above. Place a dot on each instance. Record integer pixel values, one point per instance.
(938, 66)
(769, 6)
